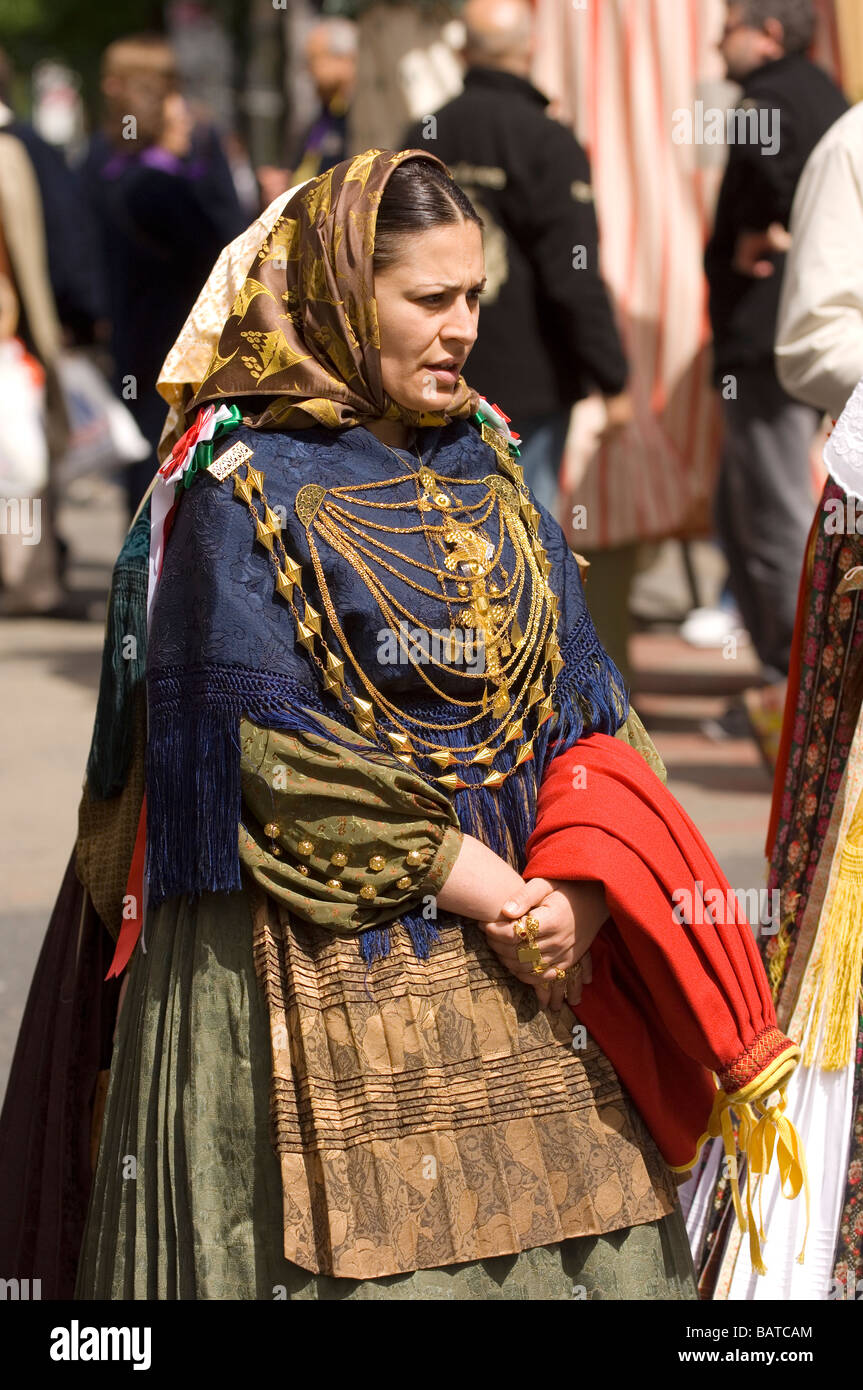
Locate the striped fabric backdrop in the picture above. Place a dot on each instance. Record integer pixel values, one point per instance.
(618, 70)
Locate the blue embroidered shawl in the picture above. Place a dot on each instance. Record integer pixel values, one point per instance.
(222, 645)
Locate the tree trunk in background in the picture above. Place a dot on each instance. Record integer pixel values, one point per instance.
(264, 97)
(406, 69)
(303, 104)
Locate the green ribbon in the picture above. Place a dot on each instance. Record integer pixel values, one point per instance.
(486, 418)
(203, 455)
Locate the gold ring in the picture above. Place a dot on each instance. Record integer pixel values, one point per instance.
(531, 955)
(525, 930)
(541, 967)
(559, 974)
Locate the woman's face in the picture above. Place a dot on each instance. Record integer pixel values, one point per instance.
(428, 311)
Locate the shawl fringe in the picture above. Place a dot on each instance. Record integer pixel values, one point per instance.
(121, 673)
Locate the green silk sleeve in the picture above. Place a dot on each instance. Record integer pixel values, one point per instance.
(634, 733)
(347, 840)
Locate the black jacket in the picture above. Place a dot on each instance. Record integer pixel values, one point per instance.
(71, 237)
(758, 189)
(547, 335)
(161, 230)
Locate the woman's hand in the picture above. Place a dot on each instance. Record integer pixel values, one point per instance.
(176, 136)
(569, 915)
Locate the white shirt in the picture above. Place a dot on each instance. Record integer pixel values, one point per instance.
(819, 337)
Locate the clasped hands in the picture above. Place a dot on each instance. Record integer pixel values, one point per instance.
(569, 915)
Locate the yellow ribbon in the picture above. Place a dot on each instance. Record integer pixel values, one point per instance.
(762, 1130)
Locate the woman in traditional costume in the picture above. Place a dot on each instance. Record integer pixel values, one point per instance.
(361, 798)
(814, 960)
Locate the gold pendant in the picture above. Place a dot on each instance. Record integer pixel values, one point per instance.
(469, 549)
(501, 447)
(505, 491)
(284, 586)
(494, 779)
(484, 756)
(243, 489)
(545, 712)
(363, 710)
(312, 619)
(525, 753)
(336, 668)
(307, 502)
(222, 467)
(501, 703)
(451, 781)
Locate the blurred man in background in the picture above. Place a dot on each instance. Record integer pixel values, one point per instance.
(548, 335)
(331, 56)
(166, 205)
(764, 493)
(71, 235)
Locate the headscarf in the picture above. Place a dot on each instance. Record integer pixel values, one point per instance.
(187, 363)
(302, 339)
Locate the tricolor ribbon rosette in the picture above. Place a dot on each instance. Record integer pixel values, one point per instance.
(192, 453)
(494, 416)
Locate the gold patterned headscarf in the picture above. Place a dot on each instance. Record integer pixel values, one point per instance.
(303, 331)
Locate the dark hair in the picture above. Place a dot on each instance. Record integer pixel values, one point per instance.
(797, 18)
(418, 195)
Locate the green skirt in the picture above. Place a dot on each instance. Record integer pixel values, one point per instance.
(187, 1197)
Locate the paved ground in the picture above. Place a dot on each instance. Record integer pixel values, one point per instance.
(50, 679)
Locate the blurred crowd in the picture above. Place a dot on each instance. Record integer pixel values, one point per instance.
(102, 256)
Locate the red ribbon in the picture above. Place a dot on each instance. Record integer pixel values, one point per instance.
(131, 928)
(185, 443)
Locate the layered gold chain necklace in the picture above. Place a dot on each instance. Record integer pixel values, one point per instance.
(519, 666)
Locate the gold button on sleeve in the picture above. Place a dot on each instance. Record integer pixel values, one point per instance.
(404, 882)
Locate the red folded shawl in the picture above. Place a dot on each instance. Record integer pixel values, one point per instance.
(679, 1000)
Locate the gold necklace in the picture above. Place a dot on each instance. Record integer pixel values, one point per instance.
(349, 551)
(515, 655)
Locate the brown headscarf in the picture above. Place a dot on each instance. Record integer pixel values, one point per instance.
(303, 331)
